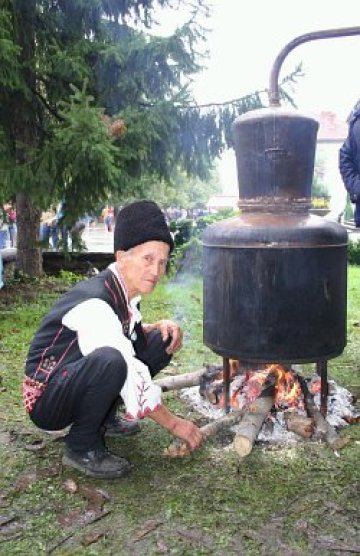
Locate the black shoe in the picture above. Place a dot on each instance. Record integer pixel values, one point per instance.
(97, 463)
(121, 427)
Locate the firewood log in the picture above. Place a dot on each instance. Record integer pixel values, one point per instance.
(326, 431)
(180, 381)
(180, 449)
(251, 424)
(301, 425)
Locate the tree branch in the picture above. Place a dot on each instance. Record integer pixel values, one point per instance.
(47, 105)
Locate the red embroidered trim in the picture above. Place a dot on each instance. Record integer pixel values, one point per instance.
(122, 290)
(141, 414)
(32, 390)
(107, 285)
(41, 367)
(122, 296)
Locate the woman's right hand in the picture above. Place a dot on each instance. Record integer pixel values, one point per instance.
(181, 428)
(188, 432)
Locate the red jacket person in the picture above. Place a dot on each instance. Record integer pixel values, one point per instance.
(92, 351)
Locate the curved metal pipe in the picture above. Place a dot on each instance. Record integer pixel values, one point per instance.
(274, 97)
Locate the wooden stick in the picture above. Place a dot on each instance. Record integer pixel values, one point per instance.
(181, 449)
(180, 381)
(301, 425)
(251, 424)
(325, 430)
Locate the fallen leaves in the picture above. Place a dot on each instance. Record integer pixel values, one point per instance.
(26, 479)
(177, 450)
(146, 528)
(95, 498)
(76, 519)
(36, 446)
(70, 486)
(92, 537)
(10, 527)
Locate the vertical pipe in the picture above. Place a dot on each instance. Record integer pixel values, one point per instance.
(226, 384)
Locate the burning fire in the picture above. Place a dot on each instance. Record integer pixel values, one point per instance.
(287, 387)
(248, 385)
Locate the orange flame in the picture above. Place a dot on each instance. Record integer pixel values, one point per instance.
(287, 389)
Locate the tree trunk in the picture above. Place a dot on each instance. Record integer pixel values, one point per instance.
(26, 139)
(28, 259)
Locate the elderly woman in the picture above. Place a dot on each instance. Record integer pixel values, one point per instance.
(92, 351)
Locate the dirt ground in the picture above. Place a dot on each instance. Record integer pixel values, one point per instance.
(289, 500)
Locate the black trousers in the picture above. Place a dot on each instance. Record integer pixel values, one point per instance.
(85, 394)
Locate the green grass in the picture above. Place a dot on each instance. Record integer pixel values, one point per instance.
(277, 501)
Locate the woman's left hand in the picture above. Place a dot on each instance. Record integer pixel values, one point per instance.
(168, 329)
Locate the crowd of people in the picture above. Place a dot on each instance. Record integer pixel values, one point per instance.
(56, 233)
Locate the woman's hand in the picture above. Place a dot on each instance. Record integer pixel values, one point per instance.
(168, 329)
(177, 426)
(187, 431)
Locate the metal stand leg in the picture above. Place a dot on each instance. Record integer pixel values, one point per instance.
(321, 369)
(226, 364)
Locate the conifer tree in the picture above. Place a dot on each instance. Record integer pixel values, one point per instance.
(91, 102)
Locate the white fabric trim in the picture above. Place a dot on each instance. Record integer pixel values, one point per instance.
(135, 315)
(97, 325)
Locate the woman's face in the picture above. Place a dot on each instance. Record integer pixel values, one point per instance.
(142, 266)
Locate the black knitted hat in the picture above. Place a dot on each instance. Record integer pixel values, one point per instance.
(139, 222)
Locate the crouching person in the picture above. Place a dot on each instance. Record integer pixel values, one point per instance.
(92, 351)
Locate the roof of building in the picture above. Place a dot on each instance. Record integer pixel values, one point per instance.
(331, 128)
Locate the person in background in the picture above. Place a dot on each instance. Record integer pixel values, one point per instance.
(46, 227)
(92, 352)
(1, 273)
(3, 228)
(12, 228)
(60, 230)
(108, 217)
(76, 232)
(349, 161)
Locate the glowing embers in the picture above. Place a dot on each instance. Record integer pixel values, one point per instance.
(278, 405)
(247, 383)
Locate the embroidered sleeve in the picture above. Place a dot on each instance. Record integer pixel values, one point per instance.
(141, 396)
(97, 326)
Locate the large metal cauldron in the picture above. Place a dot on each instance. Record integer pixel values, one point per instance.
(275, 278)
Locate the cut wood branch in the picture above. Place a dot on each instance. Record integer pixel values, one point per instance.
(326, 431)
(250, 425)
(301, 425)
(178, 382)
(181, 449)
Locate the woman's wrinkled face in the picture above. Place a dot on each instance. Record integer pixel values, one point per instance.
(142, 266)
